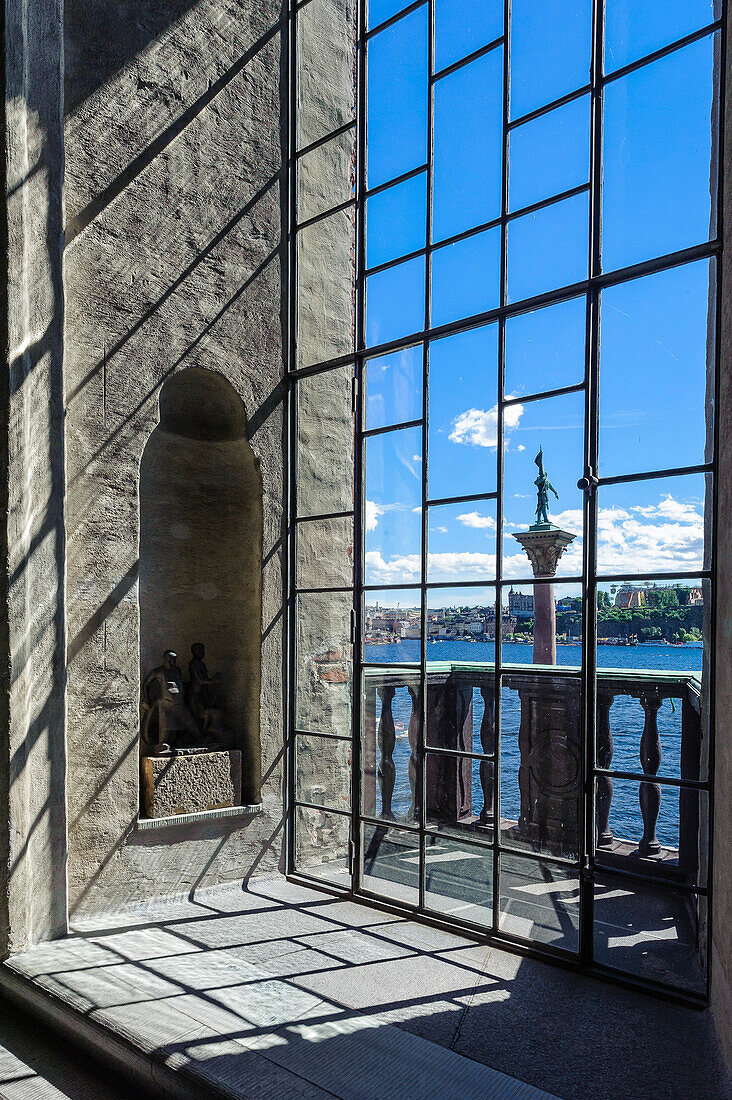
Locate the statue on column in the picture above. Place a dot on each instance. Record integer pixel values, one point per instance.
(544, 487)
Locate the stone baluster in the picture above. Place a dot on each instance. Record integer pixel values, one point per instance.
(486, 768)
(415, 723)
(649, 794)
(386, 740)
(605, 749)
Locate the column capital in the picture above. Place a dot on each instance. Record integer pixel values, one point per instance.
(544, 545)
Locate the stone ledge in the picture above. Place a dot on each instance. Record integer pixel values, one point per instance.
(144, 823)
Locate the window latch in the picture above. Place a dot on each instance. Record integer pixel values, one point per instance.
(589, 482)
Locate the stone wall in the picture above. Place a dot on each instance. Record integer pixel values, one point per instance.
(175, 143)
(32, 747)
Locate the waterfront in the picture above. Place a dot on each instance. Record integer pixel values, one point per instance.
(626, 717)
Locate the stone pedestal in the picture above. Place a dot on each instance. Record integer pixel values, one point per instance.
(544, 545)
(172, 785)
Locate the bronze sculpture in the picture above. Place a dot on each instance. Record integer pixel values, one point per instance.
(202, 692)
(177, 717)
(165, 715)
(544, 487)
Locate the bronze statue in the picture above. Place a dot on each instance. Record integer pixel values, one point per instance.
(544, 487)
(202, 692)
(165, 716)
(177, 717)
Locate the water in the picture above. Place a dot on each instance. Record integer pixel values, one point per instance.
(626, 722)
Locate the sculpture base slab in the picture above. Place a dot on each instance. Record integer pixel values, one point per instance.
(172, 785)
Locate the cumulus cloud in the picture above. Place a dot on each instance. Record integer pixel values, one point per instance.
(474, 519)
(373, 511)
(405, 569)
(479, 427)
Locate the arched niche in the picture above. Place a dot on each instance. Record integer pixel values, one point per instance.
(201, 548)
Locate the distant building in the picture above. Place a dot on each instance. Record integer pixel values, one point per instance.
(520, 605)
(696, 596)
(409, 630)
(628, 597)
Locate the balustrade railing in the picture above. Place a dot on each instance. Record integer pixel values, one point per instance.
(460, 765)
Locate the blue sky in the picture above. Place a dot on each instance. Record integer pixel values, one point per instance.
(653, 340)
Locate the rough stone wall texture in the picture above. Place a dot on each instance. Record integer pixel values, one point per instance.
(32, 753)
(174, 155)
(721, 960)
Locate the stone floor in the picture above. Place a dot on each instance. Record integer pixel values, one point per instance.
(276, 989)
(36, 1065)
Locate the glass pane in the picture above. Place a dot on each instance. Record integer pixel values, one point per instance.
(652, 526)
(321, 845)
(539, 902)
(459, 880)
(634, 28)
(652, 932)
(551, 46)
(541, 769)
(397, 98)
(462, 543)
(323, 771)
(392, 626)
(550, 154)
(391, 863)
(326, 176)
(395, 302)
(392, 717)
(393, 507)
(394, 388)
(548, 249)
(326, 288)
(324, 553)
(325, 449)
(465, 782)
(460, 698)
(463, 420)
(466, 277)
(468, 152)
(657, 152)
(326, 56)
(656, 359)
(544, 440)
(463, 26)
(545, 349)
(381, 10)
(323, 663)
(662, 622)
(526, 620)
(396, 221)
(653, 830)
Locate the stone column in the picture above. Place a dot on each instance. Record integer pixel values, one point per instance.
(544, 545)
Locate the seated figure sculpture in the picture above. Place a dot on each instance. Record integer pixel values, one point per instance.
(181, 718)
(165, 715)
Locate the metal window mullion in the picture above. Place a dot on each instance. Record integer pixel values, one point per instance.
(501, 377)
(589, 632)
(359, 526)
(421, 777)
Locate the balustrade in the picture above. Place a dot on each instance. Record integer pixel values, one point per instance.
(549, 776)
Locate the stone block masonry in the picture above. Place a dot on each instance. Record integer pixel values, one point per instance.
(172, 785)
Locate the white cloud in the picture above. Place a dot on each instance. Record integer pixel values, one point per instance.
(520, 447)
(405, 569)
(474, 519)
(479, 427)
(373, 511)
(442, 530)
(416, 458)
